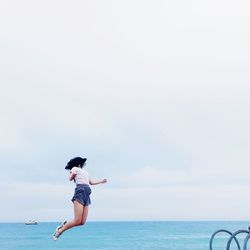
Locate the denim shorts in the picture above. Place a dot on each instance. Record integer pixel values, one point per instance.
(82, 194)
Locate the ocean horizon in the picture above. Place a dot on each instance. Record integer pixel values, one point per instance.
(119, 235)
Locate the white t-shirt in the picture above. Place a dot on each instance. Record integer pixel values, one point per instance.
(82, 176)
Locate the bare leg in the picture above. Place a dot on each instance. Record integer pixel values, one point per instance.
(79, 214)
(84, 214)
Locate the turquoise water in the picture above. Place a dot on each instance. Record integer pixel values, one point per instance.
(118, 236)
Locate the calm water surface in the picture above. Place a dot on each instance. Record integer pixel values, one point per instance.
(118, 236)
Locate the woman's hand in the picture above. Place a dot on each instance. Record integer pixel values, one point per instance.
(104, 181)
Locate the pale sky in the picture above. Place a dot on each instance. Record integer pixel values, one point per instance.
(156, 95)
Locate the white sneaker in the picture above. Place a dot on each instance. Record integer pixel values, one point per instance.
(56, 234)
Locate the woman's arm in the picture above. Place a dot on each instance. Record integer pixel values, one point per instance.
(72, 176)
(97, 182)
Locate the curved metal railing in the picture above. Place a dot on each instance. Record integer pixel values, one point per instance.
(233, 237)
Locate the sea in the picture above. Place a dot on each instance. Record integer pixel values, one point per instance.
(130, 235)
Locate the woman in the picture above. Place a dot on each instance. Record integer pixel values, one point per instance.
(81, 198)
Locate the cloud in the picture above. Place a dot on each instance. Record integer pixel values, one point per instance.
(231, 169)
(41, 201)
(46, 202)
(155, 93)
(170, 203)
(12, 137)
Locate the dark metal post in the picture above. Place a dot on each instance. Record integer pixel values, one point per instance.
(222, 231)
(232, 237)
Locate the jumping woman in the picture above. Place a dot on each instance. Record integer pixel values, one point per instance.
(81, 198)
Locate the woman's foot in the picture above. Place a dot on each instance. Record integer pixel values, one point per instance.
(57, 233)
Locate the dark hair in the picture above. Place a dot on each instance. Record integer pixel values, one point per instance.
(75, 162)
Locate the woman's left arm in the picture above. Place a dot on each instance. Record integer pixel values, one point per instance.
(72, 176)
(97, 182)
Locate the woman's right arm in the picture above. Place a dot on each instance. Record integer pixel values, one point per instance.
(72, 175)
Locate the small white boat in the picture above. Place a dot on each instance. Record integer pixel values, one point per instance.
(31, 222)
